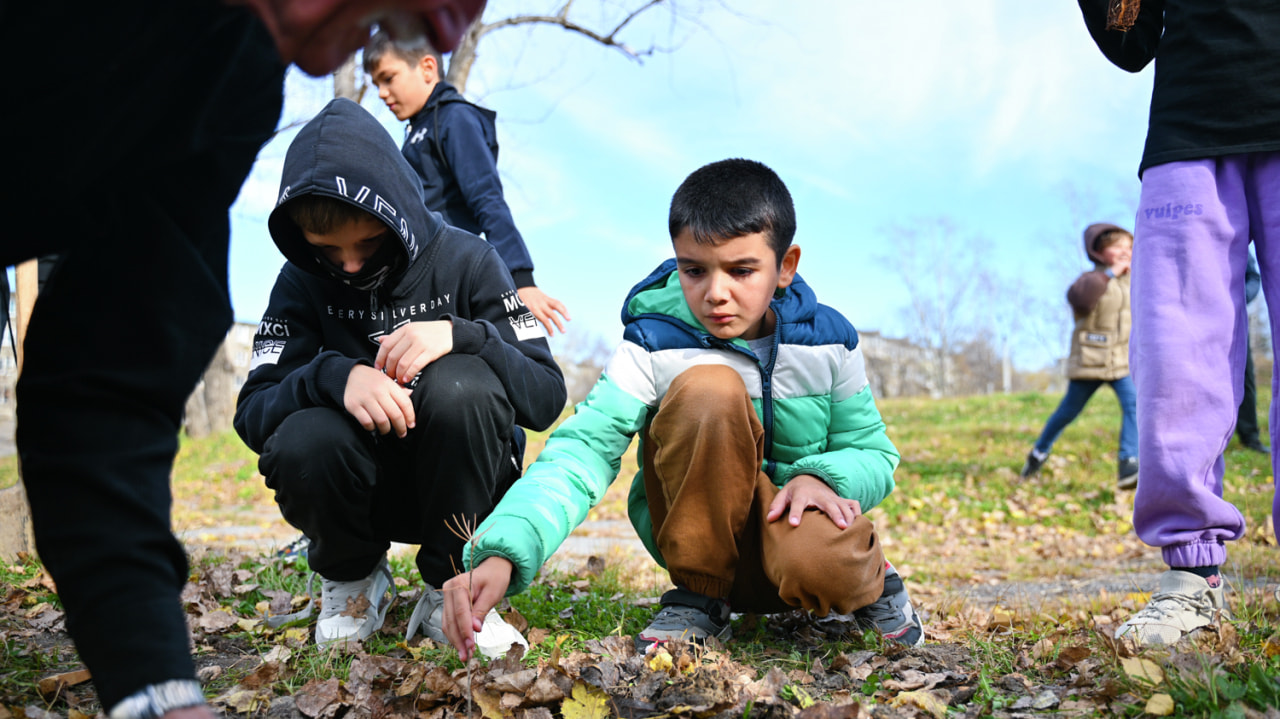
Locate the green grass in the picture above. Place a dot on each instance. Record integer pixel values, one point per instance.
(959, 515)
(9, 471)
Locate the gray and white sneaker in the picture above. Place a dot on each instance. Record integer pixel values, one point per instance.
(686, 616)
(336, 624)
(892, 614)
(1185, 603)
(493, 640)
(428, 615)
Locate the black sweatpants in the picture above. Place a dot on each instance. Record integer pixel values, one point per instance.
(126, 165)
(352, 491)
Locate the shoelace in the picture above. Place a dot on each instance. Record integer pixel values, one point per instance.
(280, 620)
(677, 613)
(875, 614)
(1166, 604)
(335, 595)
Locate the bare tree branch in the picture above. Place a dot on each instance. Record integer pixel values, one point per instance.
(561, 19)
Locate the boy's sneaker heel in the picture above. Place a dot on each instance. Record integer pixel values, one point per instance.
(686, 616)
(892, 614)
(336, 624)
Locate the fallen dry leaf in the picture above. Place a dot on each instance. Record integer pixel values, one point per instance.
(263, 675)
(1160, 705)
(356, 606)
(586, 702)
(1143, 670)
(830, 710)
(924, 700)
(322, 699)
(52, 686)
(490, 704)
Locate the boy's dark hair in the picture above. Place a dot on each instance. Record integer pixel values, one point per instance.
(732, 198)
(1109, 238)
(411, 50)
(322, 215)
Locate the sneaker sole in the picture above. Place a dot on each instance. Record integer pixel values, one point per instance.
(643, 643)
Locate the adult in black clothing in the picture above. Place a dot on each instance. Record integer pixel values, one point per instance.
(1247, 419)
(126, 166)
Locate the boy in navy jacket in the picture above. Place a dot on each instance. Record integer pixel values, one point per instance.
(453, 146)
(389, 372)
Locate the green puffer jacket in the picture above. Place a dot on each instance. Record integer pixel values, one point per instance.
(813, 399)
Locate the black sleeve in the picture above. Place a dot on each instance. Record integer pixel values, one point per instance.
(508, 338)
(288, 371)
(1129, 50)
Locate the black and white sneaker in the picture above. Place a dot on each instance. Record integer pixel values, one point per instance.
(686, 616)
(1127, 473)
(1034, 462)
(892, 614)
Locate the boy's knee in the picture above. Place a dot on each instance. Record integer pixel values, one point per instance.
(459, 384)
(306, 438)
(706, 389)
(841, 575)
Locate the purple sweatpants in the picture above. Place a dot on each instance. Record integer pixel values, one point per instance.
(1187, 347)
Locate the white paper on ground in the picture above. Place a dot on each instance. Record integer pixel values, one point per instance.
(496, 636)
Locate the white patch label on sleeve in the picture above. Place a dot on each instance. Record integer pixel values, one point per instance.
(526, 327)
(265, 352)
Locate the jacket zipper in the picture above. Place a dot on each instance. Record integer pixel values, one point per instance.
(766, 384)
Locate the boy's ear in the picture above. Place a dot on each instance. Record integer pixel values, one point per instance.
(430, 69)
(790, 261)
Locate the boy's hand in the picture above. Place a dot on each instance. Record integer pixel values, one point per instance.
(405, 352)
(542, 305)
(377, 402)
(469, 597)
(805, 491)
(1121, 267)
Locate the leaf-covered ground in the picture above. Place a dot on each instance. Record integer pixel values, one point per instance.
(1020, 583)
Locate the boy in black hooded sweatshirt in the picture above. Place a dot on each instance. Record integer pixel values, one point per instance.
(389, 373)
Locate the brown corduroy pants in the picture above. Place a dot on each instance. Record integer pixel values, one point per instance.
(708, 499)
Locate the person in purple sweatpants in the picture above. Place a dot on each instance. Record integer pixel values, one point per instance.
(1210, 184)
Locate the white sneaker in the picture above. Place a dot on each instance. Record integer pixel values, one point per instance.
(429, 616)
(1184, 603)
(336, 626)
(493, 640)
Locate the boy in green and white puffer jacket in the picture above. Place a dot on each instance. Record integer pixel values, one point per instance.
(753, 407)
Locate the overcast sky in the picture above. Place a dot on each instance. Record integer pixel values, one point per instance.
(878, 115)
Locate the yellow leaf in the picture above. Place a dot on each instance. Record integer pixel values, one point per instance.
(490, 704)
(587, 702)
(248, 625)
(297, 636)
(1143, 670)
(661, 660)
(1160, 705)
(1271, 647)
(922, 700)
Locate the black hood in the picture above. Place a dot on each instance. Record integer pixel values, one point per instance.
(345, 154)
